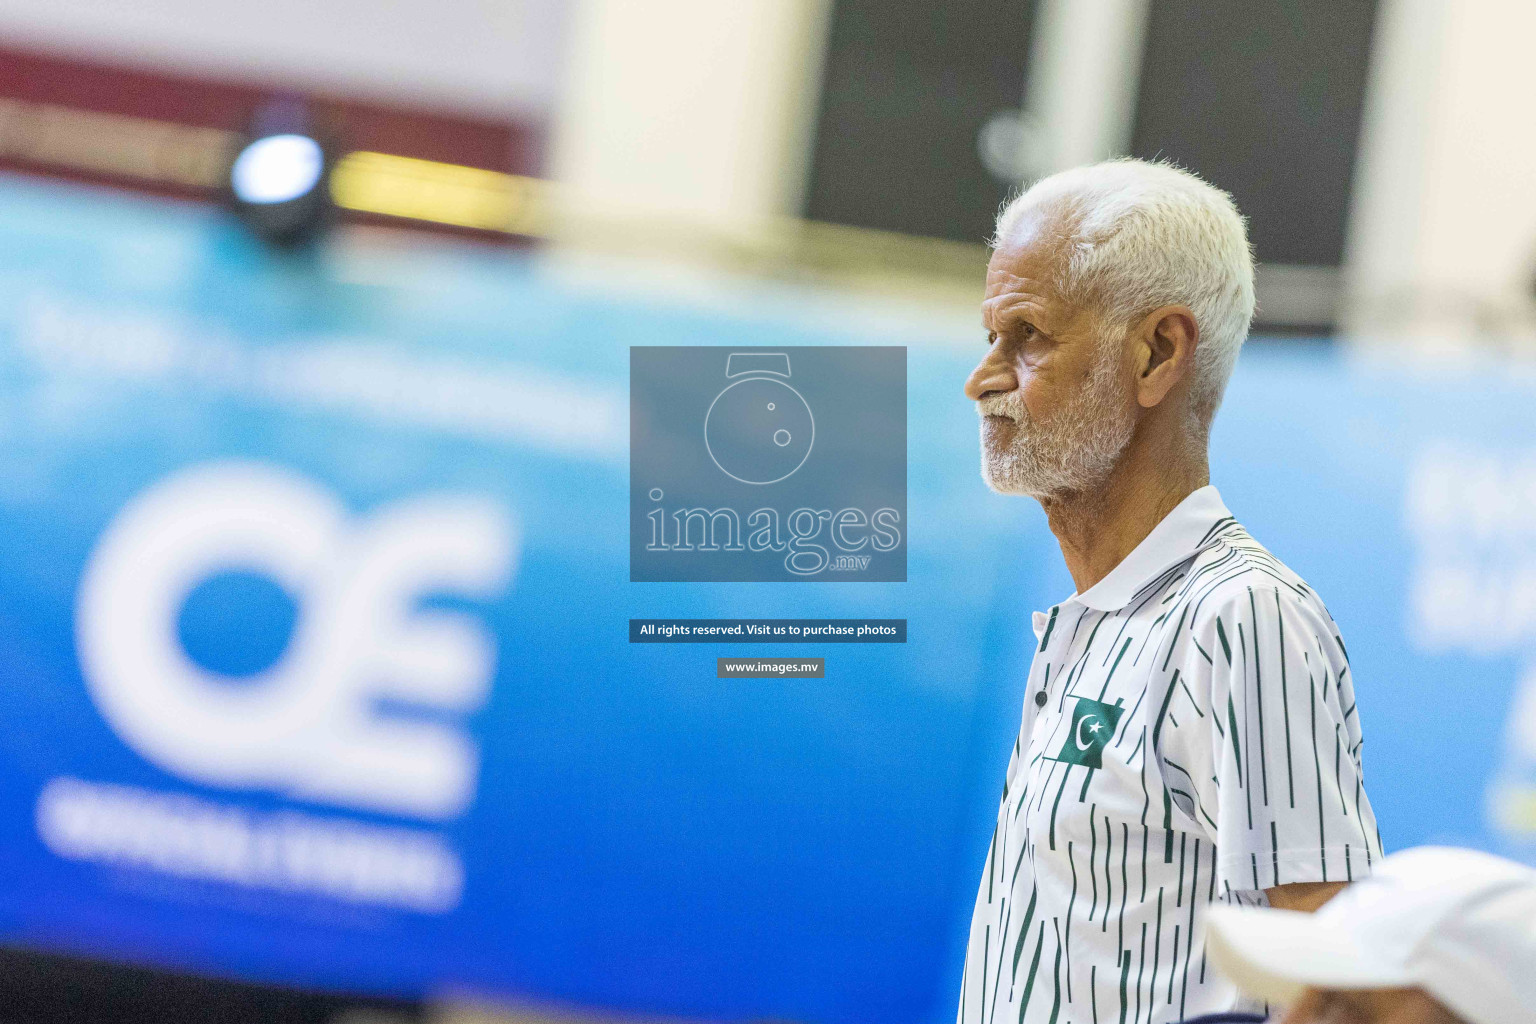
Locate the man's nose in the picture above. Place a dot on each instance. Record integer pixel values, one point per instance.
(993, 375)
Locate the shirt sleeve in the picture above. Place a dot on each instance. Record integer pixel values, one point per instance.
(1259, 741)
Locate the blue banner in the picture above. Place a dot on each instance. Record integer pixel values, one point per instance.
(315, 648)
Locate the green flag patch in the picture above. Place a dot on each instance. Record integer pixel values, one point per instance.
(1093, 724)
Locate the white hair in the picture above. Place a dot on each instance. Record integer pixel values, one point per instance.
(1143, 235)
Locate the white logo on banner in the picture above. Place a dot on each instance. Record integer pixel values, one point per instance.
(309, 725)
(1472, 515)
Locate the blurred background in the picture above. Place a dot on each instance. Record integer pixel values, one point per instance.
(314, 332)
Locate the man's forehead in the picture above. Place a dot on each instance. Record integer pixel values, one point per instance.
(1021, 281)
(1029, 257)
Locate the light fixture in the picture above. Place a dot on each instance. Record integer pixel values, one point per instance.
(440, 193)
(277, 184)
(277, 169)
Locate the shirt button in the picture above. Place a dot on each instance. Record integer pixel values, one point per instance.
(1040, 699)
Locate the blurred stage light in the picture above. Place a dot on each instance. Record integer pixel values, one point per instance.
(440, 193)
(277, 169)
(277, 184)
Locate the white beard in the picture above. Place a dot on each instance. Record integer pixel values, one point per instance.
(1072, 453)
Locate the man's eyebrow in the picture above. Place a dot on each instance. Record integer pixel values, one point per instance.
(1014, 316)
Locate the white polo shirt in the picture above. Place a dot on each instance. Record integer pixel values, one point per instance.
(1190, 735)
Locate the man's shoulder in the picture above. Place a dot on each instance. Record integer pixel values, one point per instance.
(1236, 572)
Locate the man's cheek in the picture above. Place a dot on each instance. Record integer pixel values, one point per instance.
(1037, 398)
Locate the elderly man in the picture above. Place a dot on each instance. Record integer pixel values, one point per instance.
(1190, 733)
(1435, 936)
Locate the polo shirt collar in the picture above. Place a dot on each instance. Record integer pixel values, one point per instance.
(1184, 532)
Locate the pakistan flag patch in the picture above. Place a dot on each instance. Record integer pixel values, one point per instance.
(1093, 724)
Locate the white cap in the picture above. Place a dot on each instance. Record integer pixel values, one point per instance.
(1460, 925)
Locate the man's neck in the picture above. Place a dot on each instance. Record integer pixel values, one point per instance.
(1097, 529)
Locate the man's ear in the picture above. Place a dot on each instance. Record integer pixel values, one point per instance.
(1168, 336)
